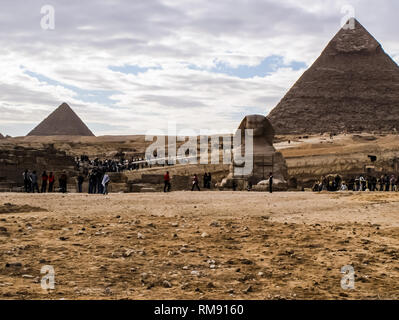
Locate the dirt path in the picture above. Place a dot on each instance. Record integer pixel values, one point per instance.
(200, 245)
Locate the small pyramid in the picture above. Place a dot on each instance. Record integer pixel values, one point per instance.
(62, 122)
(353, 86)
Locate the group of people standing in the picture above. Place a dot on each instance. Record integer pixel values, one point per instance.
(32, 180)
(360, 183)
(98, 182)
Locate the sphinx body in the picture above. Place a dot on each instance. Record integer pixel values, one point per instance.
(263, 156)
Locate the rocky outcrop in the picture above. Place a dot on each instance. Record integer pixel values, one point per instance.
(353, 86)
(14, 160)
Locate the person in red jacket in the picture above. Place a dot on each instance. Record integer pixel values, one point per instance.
(166, 179)
(195, 183)
(44, 182)
(51, 179)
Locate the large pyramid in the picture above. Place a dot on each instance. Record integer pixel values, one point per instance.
(353, 86)
(62, 122)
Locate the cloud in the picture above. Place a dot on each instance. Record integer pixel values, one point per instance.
(127, 66)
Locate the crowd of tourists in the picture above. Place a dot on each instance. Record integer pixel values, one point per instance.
(44, 183)
(359, 183)
(114, 165)
(98, 182)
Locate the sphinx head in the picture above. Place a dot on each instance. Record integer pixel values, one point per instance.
(260, 125)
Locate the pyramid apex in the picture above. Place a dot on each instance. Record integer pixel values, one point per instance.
(351, 87)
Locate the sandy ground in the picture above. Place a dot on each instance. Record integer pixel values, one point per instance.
(200, 245)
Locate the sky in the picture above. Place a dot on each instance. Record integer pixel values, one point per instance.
(129, 66)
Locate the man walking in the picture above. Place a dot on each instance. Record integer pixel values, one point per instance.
(195, 183)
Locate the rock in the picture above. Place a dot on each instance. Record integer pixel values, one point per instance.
(185, 268)
(204, 235)
(140, 236)
(249, 289)
(215, 224)
(166, 284)
(195, 273)
(246, 261)
(128, 253)
(210, 285)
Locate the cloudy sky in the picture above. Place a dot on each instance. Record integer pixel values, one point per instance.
(126, 66)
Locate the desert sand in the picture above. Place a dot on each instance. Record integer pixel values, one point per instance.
(200, 245)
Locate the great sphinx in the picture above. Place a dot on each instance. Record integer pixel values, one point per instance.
(263, 156)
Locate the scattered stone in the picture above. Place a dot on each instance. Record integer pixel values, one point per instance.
(204, 235)
(27, 276)
(215, 224)
(128, 253)
(166, 284)
(246, 261)
(195, 273)
(210, 285)
(249, 289)
(140, 236)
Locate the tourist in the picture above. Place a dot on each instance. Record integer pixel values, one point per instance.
(44, 182)
(344, 187)
(195, 183)
(92, 182)
(205, 180)
(392, 181)
(27, 182)
(387, 182)
(100, 176)
(105, 183)
(271, 182)
(63, 181)
(234, 185)
(166, 179)
(51, 180)
(35, 185)
(209, 180)
(81, 179)
(362, 183)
